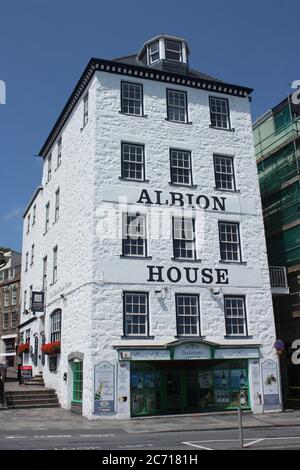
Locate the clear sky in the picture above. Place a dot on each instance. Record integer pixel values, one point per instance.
(45, 45)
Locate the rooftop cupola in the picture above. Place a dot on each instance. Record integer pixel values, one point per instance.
(165, 52)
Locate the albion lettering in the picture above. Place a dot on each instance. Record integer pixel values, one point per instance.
(182, 200)
(174, 274)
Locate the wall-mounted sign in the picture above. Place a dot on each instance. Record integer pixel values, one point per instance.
(237, 353)
(158, 198)
(145, 355)
(37, 301)
(171, 274)
(270, 384)
(192, 351)
(104, 388)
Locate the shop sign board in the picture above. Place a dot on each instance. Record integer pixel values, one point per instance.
(37, 301)
(145, 355)
(192, 351)
(104, 388)
(270, 381)
(237, 353)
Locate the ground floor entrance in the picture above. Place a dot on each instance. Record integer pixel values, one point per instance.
(166, 387)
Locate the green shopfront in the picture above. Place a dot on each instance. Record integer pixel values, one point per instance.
(188, 378)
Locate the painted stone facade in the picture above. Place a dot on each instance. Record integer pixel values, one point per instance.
(92, 275)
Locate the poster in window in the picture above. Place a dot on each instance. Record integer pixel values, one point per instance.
(221, 378)
(238, 378)
(205, 379)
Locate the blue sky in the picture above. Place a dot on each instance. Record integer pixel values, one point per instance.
(45, 45)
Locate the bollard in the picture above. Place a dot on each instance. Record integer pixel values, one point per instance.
(240, 427)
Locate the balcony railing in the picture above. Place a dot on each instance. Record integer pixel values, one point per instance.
(278, 277)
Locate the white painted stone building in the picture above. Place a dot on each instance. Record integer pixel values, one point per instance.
(148, 241)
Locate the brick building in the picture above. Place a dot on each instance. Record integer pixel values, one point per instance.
(10, 279)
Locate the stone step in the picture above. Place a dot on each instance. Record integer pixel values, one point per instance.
(29, 396)
(31, 401)
(39, 405)
(33, 382)
(41, 391)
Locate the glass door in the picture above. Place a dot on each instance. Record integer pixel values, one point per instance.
(77, 382)
(173, 391)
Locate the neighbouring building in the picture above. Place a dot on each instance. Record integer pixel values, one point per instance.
(146, 240)
(10, 274)
(277, 149)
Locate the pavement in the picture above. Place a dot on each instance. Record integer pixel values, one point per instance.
(50, 419)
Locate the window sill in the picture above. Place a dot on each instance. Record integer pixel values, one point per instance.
(186, 260)
(189, 337)
(192, 186)
(134, 115)
(189, 123)
(238, 337)
(84, 125)
(121, 178)
(137, 337)
(243, 263)
(227, 190)
(135, 257)
(222, 128)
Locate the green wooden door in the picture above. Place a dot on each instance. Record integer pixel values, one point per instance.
(77, 382)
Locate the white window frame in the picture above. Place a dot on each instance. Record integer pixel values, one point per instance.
(49, 167)
(178, 159)
(134, 235)
(47, 218)
(57, 202)
(32, 254)
(85, 108)
(229, 318)
(14, 296)
(59, 151)
(6, 297)
(190, 310)
(54, 271)
(141, 320)
(184, 237)
(224, 172)
(226, 242)
(55, 320)
(179, 52)
(152, 53)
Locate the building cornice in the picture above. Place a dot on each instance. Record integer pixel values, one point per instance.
(137, 72)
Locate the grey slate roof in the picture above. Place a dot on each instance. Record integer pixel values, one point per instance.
(134, 61)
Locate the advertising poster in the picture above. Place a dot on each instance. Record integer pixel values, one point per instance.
(221, 378)
(270, 384)
(206, 380)
(104, 388)
(124, 387)
(238, 378)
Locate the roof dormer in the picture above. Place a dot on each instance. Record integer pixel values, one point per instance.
(165, 52)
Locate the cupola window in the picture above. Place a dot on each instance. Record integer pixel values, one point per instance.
(173, 50)
(153, 52)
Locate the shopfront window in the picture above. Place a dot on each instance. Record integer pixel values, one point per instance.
(178, 387)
